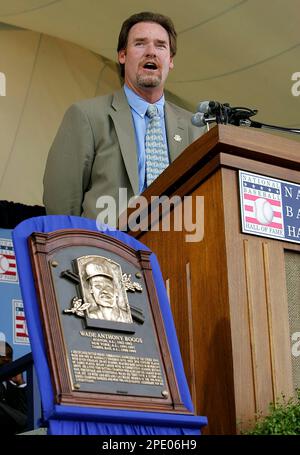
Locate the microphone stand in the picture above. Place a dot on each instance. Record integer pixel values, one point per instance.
(238, 116)
(254, 124)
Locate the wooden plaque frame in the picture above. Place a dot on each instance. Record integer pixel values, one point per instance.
(43, 248)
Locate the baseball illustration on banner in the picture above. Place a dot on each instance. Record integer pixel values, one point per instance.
(269, 207)
(4, 264)
(8, 266)
(263, 211)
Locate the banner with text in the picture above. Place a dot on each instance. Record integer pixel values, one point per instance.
(270, 207)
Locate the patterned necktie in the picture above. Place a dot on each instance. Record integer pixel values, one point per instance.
(156, 152)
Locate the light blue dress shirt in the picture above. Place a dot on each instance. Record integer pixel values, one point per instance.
(139, 108)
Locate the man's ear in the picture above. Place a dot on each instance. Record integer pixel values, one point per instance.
(122, 56)
(171, 65)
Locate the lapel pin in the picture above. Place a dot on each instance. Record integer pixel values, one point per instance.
(177, 138)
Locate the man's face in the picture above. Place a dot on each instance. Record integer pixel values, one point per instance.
(147, 58)
(102, 289)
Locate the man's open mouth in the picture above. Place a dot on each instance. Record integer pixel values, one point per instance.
(150, 66)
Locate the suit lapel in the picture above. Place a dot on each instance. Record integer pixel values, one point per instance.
(122, 118)
(177, 132)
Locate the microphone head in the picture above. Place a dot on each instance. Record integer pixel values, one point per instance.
(214, 106)
(198, 119)
(203, 107)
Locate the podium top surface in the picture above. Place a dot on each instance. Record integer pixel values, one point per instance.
(256, 140)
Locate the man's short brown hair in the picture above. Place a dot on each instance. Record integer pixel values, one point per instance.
(147, 16)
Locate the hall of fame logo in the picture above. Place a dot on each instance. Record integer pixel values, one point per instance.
(8, 267)
(270, 207)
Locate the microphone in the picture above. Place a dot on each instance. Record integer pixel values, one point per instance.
(208, 112)
(198, 119)
(203, 107)
(216, 108)
(214, 111)
(210, 107)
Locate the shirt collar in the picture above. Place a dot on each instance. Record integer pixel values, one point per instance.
(139, 105)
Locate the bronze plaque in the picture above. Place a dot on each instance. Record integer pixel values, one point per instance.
(102, 322)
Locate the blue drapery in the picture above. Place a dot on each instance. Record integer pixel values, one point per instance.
(82, 420)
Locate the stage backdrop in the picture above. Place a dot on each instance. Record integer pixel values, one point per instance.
(13, 328)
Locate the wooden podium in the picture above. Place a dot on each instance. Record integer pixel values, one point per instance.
(228, 292)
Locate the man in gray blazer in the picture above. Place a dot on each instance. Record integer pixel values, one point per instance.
(99, 147)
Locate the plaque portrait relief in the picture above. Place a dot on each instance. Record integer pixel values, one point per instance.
(103, 288)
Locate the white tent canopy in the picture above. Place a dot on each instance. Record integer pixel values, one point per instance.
(54, 52)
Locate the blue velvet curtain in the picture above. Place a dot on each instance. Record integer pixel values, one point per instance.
(81, 420)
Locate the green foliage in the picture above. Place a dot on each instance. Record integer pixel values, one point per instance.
(283, 418)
